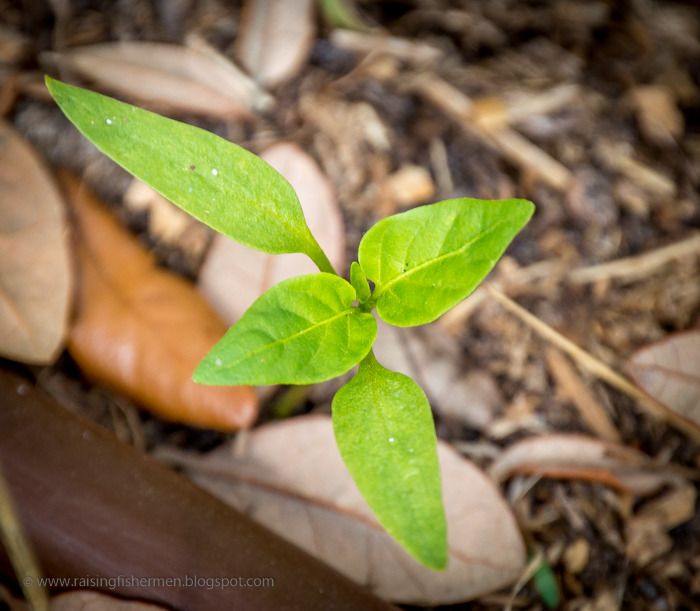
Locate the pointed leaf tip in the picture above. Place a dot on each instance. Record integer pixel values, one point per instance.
(385, 433)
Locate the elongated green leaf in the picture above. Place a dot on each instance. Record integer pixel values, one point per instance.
(546, 584)
(385, 433)
(302, 331)
(426, 260)
(359, 282)
(217, 182)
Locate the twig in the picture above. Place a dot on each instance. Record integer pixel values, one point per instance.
(619, 158)
(574, 388)
(509, 143)
(638, 266)
(597, 367)
(403, 48)
(628, 268)
(18, 549)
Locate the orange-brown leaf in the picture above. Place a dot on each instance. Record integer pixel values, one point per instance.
(141, 330)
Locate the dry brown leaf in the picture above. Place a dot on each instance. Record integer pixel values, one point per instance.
(35, 272)
(142, 330)
(275, 38)
(430, 356)
(574, 456)
(169, 78)
(289, 476)
(84, 600)
(669, 370)
(233, 276)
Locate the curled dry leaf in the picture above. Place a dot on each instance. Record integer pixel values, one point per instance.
(169, 78)
(141, 330)
(84, 600)
(574, 456)
(669, 371)
(275, 38)
(233, 276)
(289, 476)
(35, 273)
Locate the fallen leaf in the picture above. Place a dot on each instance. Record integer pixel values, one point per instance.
(141, 330)
(233, 276)
(275, 38)
(669, 370)
(35, 272)
(429, 356)
(83, 600)
(289, 476)
(574, 456)
(166, 77)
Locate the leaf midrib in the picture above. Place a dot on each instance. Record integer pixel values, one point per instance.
(281, 219)
(284, 340)
(384, 288)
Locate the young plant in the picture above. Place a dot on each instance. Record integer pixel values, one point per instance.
(312, 328)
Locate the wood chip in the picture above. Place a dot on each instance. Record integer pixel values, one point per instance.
(410, 185)
(657, 112)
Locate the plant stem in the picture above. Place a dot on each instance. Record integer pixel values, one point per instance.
(320, 259)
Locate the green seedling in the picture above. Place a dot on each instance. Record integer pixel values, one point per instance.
(312, 328)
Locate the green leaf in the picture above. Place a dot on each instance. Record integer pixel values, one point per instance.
(546, 584)
(385, 433)
(342, 14)
(426, 260)
(359, 282)
(302, 331)
(221, 184)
